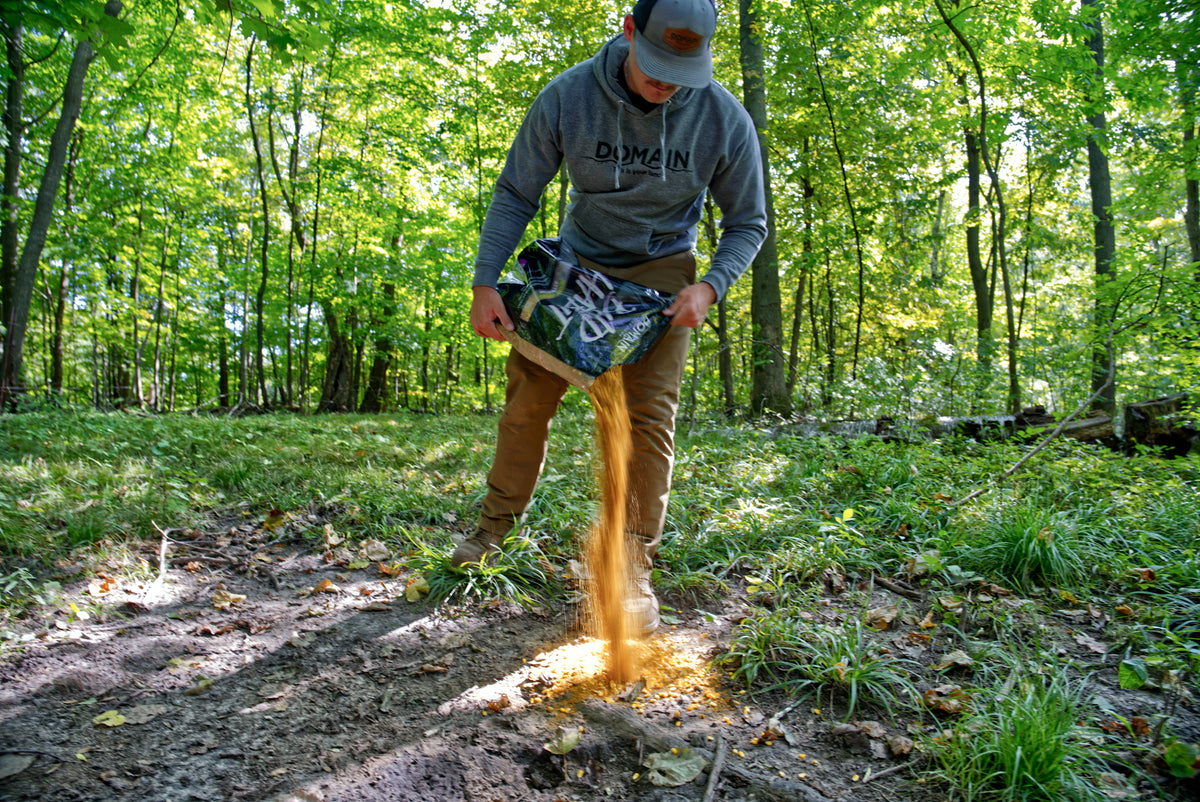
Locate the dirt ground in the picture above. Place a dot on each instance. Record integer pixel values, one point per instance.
(312, 677)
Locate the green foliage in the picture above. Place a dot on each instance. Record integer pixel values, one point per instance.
(1023, 740)
(786, 648)
(517, 573)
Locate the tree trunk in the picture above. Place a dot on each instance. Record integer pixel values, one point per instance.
(769, 391)
(17, 313)
(264, 247)
(808, 192)
(337, 393)
(1188, 75)
(14, 129)
(375, 396)
(1104, 232)
(724, 358)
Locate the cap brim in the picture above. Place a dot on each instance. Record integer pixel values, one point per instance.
(694, 72)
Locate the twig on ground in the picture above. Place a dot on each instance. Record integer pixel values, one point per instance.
(897, 588)
(714, 773)
(886, 772)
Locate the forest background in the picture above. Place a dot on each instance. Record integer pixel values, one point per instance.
(974, 207)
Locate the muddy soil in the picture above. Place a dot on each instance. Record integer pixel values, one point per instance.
(307, 679)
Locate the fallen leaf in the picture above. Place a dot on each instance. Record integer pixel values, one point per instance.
(203, 683)
(496, 705)
(109, 718)
(432, 668)
(302, 640)
(181, 665)
(144, 714)
(946, 698)
(674, 768)
(882, 617)
(1091, 644)
(565, 739)
(389, 570)
(416, 588)
(101, 585)
(272, 690)
(1125, 610)
(376, 550)
(900, 745)
(957, 658)
(326, 586)
(927, 622)
(214, 629)
(223, 599)
(873, 728)
(951, 603)
(11, 765)
(274, 520)
(332, 538)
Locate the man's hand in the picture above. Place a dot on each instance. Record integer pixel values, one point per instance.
(691, 305)
(487, 309)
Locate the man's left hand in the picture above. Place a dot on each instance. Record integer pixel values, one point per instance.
(691, 305)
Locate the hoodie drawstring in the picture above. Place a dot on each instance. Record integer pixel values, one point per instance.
(662, 143)
(620, 148)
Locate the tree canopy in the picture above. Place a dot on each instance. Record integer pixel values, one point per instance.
(277, 202)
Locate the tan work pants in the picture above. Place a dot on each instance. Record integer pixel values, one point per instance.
(652, 396)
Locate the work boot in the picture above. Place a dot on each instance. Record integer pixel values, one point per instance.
(477, 548)
(641, 605)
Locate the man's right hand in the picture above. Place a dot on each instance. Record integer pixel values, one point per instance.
(487, 309)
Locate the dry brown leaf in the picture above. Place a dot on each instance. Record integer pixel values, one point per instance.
(882, 617)
(223, 599)
(946, 698)
(957, 658)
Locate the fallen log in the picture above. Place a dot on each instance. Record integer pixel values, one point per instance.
(1162, 423)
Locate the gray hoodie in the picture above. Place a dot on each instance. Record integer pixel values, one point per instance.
(642, 206)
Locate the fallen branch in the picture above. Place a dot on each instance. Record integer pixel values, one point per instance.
(714, 774)
(886, 772)
(898, 589)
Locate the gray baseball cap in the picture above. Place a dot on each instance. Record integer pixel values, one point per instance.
(673, 40)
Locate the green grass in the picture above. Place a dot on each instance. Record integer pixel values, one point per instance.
(786, 649)
(1024, 741)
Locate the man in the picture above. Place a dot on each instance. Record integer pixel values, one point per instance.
(644, 131)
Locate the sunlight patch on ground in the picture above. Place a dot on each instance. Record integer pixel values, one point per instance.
(672, 668)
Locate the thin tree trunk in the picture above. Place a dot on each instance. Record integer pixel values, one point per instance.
(998, 244)
(858, 246)
(135, 304)
(1104, 232)
(769, 390)
(1188, 75)
(264, 247)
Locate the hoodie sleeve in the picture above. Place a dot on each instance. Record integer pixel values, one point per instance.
(533, 161)
(737, 188)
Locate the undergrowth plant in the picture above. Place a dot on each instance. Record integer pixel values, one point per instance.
(782, 649)
(1023, 740)
(517, 572)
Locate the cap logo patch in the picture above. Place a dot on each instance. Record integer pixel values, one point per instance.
(682, 39)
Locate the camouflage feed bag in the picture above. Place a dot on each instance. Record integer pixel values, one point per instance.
(575, 321)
